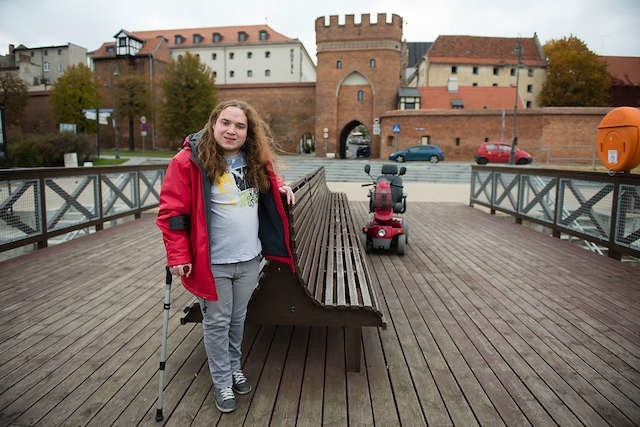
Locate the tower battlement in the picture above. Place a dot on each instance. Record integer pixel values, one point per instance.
(365, 29)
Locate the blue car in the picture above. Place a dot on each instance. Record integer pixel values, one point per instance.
(432, 153)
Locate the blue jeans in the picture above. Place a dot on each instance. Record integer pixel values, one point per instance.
(223, 320)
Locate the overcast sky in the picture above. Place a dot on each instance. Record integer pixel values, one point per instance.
(607, 27)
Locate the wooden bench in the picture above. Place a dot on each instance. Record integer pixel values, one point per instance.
(331, 286)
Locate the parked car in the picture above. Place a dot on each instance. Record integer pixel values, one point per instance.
(433, 153)
(500, 152)
(363, 151)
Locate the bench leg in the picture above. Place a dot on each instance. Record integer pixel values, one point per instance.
(353, 347)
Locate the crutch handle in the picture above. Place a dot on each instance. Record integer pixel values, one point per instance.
(169, 276)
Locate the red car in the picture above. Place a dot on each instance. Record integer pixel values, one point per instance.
(499, 152)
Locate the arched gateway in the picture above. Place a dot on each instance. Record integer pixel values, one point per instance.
(358, 75)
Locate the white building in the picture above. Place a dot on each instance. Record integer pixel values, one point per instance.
(241, 54)
(42, 66)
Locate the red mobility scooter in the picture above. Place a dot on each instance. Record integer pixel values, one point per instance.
(386, 230)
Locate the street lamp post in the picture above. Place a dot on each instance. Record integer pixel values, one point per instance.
(115, 114)
(512, 155)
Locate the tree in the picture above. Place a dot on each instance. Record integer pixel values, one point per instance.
(189, 96)
(575, 77)
(132, 98)
(76, 89)
(13, 97)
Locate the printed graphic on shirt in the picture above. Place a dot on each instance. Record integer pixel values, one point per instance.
(234, 185)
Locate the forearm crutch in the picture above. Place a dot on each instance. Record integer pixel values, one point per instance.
(163, 347)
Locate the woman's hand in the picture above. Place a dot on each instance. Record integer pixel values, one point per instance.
(291, 198)
(181, 270)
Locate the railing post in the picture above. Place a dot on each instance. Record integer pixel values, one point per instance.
(493, 192)
(43, 243)
(100, 222)
(555, 232)
(613, 229)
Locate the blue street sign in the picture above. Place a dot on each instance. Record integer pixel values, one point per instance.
(395, 128)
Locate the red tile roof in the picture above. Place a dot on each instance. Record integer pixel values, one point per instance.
(156, 47)
(624, 70)
(473, 97)
(229, 35)
(485, 50)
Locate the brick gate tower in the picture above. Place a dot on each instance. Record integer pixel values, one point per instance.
(358, 75)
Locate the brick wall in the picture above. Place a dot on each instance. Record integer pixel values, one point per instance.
(288, 108)
(38, 114)
(570, 131)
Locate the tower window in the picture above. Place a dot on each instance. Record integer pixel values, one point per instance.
(338, 64)
(372, 63)
(360, 96)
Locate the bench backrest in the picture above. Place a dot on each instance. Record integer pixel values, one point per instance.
(327, 247)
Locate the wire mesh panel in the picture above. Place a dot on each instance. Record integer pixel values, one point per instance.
(628, 224)
(19, 209)
(585, 207)
(538, 197)
(119, 193)
(71, 200)
(506, 191)
(150, 184)
(481, 186)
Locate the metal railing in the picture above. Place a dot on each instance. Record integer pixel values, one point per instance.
(599, 208)
(37, 205)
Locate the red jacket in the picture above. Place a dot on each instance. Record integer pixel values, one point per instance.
(182, 217)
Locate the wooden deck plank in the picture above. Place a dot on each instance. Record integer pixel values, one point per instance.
(312, 394)
(285, 410)
(488, 323)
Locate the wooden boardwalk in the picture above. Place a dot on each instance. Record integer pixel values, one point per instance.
(489, 323)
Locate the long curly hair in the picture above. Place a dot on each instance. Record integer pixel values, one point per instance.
(258, 147)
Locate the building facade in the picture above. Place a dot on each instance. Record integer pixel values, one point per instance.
(39, 67)
(242, 54)
(485, 62)
(113, 61)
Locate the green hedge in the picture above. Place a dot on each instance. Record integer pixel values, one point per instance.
(31, 151)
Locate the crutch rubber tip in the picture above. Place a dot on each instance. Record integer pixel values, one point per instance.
(159, 416)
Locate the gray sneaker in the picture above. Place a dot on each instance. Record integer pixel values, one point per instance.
(240, 383)
(225, 399)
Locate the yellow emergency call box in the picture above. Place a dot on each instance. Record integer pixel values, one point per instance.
(618, 139)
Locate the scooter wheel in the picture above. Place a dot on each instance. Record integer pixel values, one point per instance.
(401, 243)
(364, 240)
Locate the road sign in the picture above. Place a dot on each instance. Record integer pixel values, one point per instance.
(143, 119)
(395, 128)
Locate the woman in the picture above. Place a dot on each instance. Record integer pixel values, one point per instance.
(220, 210)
